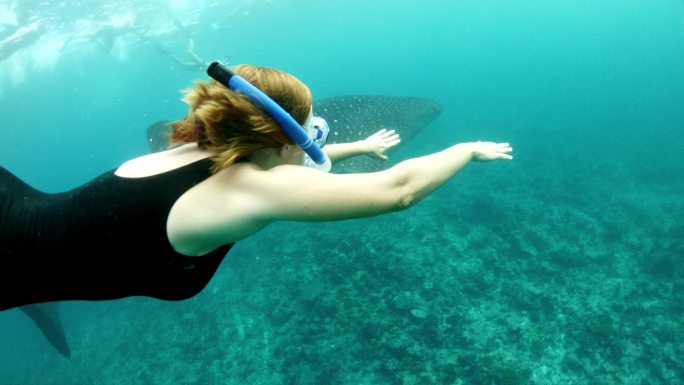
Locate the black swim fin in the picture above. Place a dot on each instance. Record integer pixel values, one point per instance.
(46, 317)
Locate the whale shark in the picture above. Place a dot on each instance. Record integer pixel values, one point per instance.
(350, 117)
(356, 117)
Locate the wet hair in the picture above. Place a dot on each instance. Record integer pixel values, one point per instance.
(231, 126)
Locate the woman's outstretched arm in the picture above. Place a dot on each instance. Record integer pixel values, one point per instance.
(302, 194)
(374, 146)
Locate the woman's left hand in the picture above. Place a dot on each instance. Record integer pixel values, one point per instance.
(376, 144)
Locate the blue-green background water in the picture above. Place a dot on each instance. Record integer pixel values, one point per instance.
(560, 267)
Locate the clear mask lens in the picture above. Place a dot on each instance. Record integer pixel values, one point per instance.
(318, 130)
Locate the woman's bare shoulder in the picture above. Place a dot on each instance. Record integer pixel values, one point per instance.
(160, 162)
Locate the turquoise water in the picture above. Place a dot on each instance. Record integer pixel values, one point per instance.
(563, 266)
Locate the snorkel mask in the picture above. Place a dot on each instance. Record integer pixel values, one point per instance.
(318, 130)
(310, 138)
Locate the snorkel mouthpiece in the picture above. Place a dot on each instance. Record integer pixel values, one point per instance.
(228, 78)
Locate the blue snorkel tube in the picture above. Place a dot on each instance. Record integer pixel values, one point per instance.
(228, 78)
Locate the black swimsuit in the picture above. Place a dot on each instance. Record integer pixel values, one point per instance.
(104, 240)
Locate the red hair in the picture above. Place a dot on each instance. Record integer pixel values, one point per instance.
(229, 125)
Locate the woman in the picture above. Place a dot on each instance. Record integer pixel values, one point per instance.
(159, 225)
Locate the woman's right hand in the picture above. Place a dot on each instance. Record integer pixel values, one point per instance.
(376, 144)
(488, 151)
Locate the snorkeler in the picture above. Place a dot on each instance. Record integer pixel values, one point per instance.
(195, 62)
(249, 153)
(23, 37)
(106, 35)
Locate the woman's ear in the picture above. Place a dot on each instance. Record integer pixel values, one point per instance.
(286, 148)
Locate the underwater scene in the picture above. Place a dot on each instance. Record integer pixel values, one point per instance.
(561, 266)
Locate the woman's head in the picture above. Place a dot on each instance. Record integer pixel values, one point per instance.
(229, 125)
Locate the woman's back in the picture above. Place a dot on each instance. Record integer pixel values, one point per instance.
(106, 239)
(210, 214)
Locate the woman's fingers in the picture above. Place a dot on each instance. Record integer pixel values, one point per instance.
(385, 138)
(393, 142)
(486, 151)
(503, 149)
(388, 136)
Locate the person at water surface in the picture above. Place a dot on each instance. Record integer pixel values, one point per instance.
(21, 38)
(248, 153)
